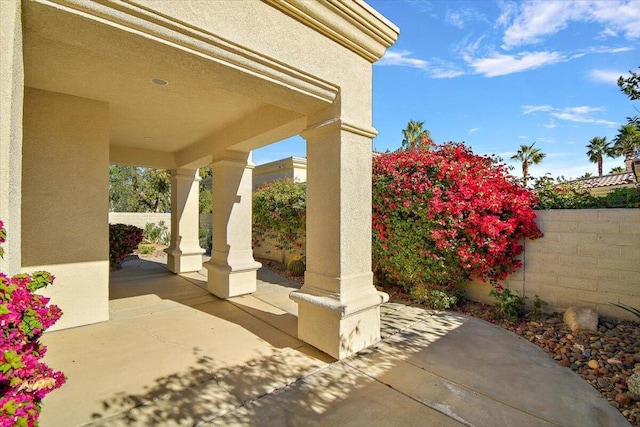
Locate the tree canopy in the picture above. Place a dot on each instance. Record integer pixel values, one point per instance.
(137, 189)
(627, 142)
(630, 85)
(597, 149)
(414, 136)
(528, 155)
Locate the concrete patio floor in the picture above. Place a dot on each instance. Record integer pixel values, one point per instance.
(173, 354)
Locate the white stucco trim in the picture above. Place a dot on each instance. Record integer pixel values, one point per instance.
(360, 28)
(327, 125)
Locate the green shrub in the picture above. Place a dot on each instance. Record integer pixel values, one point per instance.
(623, 198)
(296, 265)
(206, 240)
(509, 306)
(146, 249)
(123, 240)
(538, 305)
(569, 195)
(157, 234)
(564, 195)
(436, 298)
(279, 213)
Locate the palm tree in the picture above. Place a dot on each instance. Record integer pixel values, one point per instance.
(528, 156)
(414, 136)
(598, 147)
(627, 142)
(617, 169)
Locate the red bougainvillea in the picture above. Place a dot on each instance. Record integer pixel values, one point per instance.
(444, 214)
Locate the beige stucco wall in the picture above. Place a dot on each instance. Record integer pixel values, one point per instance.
(65, 183)
(140, 219)
(294, 168)
(281, 37)
(603, 191)
(11, 95)
(587, 258)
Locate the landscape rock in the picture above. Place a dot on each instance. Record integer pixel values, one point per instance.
(581, 319)
(622, 398)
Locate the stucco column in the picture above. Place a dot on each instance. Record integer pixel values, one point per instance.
(232, 269)
(338, 306)
(11, 106)
(184, 254)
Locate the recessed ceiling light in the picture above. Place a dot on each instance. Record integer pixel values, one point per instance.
(159, 82)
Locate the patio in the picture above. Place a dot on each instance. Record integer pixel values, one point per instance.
(173, 354)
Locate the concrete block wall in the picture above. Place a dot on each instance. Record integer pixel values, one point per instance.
(140, 219)
(268, 250)
(587, 257)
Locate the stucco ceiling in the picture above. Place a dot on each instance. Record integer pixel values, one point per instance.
(75, 55)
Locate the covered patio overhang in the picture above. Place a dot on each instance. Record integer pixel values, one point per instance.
(180, 85)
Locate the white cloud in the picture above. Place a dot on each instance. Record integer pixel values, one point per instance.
(583, 114)
(435, 68)
(584, 109)
(605, 76)
(608, 49)
(582, 119)
(579, 114)
(535, 20)
(546, 140)
(528, 109)
(402, 58)
(456, 18)
(472, 130)
(500, 65)
(460, 17)
(507, 11)
(606, 33)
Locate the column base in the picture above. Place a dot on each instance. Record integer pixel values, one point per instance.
(226, 282)
(184, 262)
(337, 328)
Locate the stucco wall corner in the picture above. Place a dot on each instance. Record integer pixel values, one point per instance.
(11, 99)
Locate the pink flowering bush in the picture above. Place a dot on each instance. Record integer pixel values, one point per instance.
(442, 215)
(123, 240)
(24, 316)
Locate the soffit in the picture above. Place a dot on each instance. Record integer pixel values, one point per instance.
(77, 54)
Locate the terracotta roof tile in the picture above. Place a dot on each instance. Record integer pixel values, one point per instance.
(606, 180)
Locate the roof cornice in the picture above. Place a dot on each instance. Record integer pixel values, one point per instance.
(359, 27)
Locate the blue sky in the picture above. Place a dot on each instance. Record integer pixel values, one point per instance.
(497, 74)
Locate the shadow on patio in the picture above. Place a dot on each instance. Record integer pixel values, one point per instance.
(173, 354)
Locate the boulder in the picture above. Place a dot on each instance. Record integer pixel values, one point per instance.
(581, 318)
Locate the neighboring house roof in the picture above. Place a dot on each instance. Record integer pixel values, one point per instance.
(621, 178)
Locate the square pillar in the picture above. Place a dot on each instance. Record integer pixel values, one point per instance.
(11, 123)
(184, 254)
(232, 269)
(338, 306)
